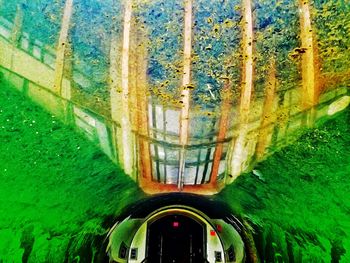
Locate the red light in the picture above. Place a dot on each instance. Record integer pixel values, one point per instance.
(219, 228)
(176, 224)
(212, 232)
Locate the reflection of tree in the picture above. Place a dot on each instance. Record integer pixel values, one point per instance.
(333, 29)
(277, 29)
(41, 18)
(216, 49)
(217, 28)
(164, 23)
(92, 26)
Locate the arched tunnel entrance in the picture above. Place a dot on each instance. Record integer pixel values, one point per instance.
(176, 238)
(179, 228)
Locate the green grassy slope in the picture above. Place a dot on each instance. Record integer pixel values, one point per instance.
(55, 187)
(56, 190)
(300, 200)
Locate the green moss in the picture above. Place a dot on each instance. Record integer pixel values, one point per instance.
(57, 189)
(304, 197)
(54, 184)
